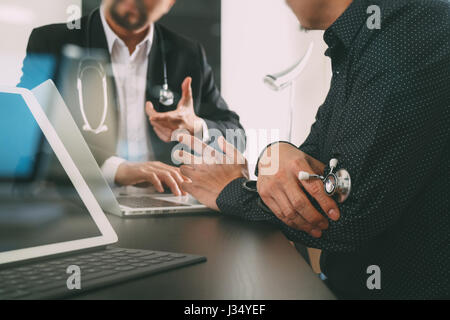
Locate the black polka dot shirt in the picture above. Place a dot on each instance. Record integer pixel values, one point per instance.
(387, 117)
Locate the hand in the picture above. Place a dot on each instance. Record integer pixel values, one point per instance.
(184, 117)
(282, 192)
(211, 173)
(156, 173)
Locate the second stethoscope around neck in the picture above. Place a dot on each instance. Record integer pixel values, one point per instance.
(166, 96)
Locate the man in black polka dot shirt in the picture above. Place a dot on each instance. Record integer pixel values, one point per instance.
(387, 119)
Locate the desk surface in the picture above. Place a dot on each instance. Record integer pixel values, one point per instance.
(245, 261)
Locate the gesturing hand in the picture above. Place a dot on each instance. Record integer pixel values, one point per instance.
(184, 117)
(282, 191)
(211, 173)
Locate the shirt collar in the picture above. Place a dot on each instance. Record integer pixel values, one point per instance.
(111, 36)
(347, 26)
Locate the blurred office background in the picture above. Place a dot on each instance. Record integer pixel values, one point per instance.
(244, 40)
(195, 19)
(17, 19)
(261, 37)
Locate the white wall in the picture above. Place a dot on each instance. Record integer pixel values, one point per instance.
(260, 37)
(17, 19)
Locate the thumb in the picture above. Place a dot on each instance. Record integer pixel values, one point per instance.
(149, 109)
(186, 92)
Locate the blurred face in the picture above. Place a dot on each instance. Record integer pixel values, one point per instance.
(307, 11)
(135, 14)
(317, 14)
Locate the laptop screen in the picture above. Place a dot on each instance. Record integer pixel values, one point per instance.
(38, 206)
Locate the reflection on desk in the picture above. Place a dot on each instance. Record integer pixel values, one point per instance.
(245, 261)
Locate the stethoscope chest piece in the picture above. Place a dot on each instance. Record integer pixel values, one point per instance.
(336, 184)
(166, 96)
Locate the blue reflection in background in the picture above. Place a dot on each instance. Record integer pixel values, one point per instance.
(20, 137)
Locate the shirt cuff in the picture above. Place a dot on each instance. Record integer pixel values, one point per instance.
(109, 169)
(227, 199)
(241, 199)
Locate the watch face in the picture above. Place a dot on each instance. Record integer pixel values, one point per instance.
(330, 184)
(250, 185)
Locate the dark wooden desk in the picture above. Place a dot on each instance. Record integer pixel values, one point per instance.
(245, 261)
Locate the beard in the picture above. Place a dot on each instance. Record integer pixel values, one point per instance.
(124, 20)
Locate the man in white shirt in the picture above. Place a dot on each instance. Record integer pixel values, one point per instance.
(142, 127)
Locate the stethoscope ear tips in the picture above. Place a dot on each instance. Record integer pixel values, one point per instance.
(333, 163)
(303, 176)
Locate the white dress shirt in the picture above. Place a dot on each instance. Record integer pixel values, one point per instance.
(130, 72)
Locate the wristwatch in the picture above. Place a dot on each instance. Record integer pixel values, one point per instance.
(250, 185)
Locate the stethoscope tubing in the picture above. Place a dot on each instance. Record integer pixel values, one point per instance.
(166, 95)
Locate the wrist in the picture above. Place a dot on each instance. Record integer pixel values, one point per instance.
(264, 158)
(198, 126)
(237, 175)
(125, 175)
(120, 173)
(223, 199)
(194, 125)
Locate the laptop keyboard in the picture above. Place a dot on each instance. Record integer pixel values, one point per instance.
(147, 202)
(48, 279)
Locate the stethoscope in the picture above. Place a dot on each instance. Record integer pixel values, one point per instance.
(335, 183)
(166, 96)
(99, 68)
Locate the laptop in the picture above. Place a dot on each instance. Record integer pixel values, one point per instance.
(55, 240)
(114, 202)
